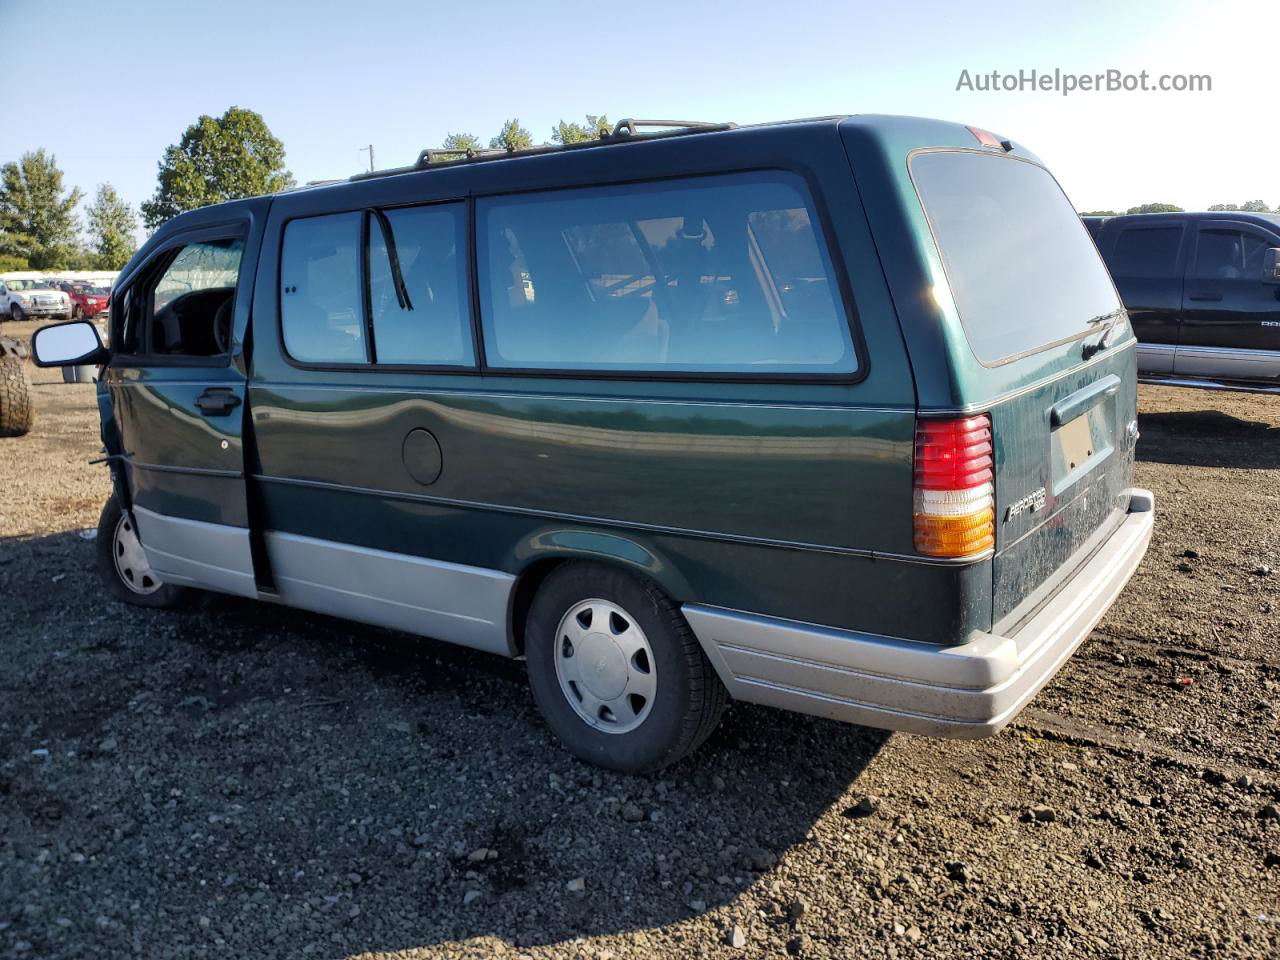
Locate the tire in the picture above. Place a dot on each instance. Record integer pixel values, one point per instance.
(16, 414)
(15, 313)
(127, 578)
(77, 312)
(644, 720)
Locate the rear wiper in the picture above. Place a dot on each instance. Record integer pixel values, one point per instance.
(393, 259)
(1090, 350)
(1106, 317)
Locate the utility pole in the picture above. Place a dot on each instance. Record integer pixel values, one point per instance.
(370, 149)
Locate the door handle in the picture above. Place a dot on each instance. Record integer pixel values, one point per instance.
(1205, 297)
(217, 402)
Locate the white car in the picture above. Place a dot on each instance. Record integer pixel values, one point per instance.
(20, 299)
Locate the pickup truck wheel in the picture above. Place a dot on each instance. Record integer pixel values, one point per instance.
(123, 564)
(616, 671)
(15, 313)
(77, 312)
(15, 397)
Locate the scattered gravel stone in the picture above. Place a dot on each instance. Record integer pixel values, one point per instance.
(1041, 813)
(737, 937)
(576, 885)
(470, 897)
(865, 807)
(632, 813)
(1269, 812)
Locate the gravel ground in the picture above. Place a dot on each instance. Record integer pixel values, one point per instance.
(241, 780)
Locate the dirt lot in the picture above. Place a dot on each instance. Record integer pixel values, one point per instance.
(240, 780)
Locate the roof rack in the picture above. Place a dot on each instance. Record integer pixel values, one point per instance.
(623, 131)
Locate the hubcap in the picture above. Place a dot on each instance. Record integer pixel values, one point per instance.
(605, 666)
(131, 563)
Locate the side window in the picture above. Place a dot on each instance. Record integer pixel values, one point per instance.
(432, 325)
(1144, 253)
(189, 306)
(720, 274)
(320, 290)
(1228, 254)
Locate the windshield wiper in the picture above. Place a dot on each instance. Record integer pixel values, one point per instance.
(393, 259)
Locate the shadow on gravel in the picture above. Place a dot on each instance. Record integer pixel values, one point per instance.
(1208, 438)
(251, 779)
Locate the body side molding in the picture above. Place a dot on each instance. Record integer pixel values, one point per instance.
(446, 601)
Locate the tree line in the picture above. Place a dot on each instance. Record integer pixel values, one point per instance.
(217, 159)
(1249, 206)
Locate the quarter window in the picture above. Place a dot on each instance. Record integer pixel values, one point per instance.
(722, 275)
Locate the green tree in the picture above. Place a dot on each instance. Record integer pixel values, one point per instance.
(1155, 208)
(593, 129)
(219, 158)
(1223, 206)
(37, 218)
(112, 225)
(461, 142)
(512, 137)
(1253, 206)
(10, 262)
(1099, 213)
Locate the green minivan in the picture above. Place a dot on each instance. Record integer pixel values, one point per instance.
(834, 415)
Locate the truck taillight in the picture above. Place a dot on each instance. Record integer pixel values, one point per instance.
(955, 513)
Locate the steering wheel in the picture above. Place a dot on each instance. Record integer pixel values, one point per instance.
(222, 327)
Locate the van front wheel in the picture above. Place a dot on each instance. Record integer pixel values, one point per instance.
(616, 671)
(123, 564)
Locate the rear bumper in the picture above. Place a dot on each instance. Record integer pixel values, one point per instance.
(970, 690)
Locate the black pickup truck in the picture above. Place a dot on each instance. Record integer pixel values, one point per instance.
(1203, 294)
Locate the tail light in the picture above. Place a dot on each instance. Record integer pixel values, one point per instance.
(955, 508)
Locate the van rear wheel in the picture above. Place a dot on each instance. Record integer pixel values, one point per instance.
(123, 564)
(616, 671)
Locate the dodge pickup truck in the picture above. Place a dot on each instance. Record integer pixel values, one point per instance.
(1203, 295)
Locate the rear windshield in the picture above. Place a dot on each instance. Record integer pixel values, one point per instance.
(1021, 266)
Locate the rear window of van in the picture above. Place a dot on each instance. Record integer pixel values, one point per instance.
(1022, 269)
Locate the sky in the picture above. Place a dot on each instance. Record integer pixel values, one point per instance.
(106, 87)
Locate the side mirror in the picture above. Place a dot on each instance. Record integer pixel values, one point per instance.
(68, 344)
(1271, 266)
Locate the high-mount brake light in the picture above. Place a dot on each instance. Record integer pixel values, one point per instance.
(954, 497)
(989, 139)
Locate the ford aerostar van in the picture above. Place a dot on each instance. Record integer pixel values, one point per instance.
(835, 415)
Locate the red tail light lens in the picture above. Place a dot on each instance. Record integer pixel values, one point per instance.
(954, 513)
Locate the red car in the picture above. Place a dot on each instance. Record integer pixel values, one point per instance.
(87, 300)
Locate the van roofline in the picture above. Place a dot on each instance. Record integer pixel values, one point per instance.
(616, 138)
